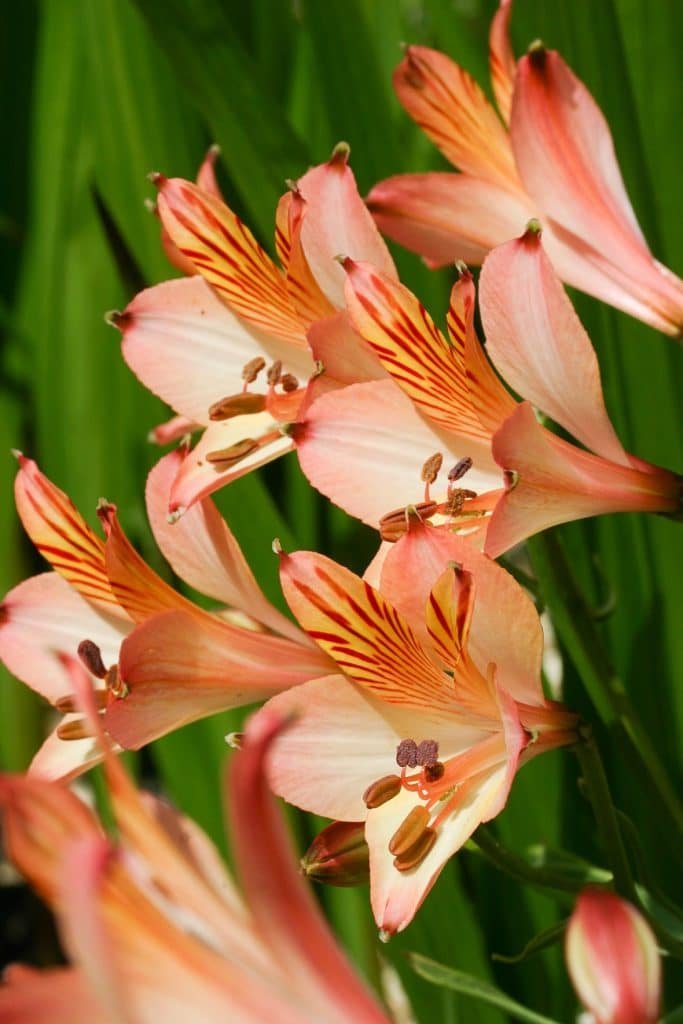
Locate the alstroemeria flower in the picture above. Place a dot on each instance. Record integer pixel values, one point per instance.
(439, 703)
(613, 960)
(201, 343)
(154, 926)
(161, 660)
(552, 158)
(363, 446)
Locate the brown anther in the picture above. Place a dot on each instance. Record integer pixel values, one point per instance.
(340, 154)
(380, 792)
(409, 831)
(288, 382)
(91, 656)
(406, 754)
(251, 370)
(431, 468)
(67, 705)
(456, 499)
(234, 453)
(76, 729)
(433, 772)
(394, 524)
(235, 740)
(537, 53)
(417, 853)
(427, 753)
(237, 405)
(274, 373)
(461, 467)
(115, 684)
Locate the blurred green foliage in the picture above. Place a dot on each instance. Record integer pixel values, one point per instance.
(94, 96)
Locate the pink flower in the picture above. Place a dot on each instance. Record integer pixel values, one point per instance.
(160, 659)
(365, 446)
(153, 925)
(435, 705)
(201, 343)
(551, 157)
(613, 960)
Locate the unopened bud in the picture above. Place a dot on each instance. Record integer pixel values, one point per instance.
(237, 405)
(339, 855)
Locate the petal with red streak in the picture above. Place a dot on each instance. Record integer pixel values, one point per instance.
(502, 64)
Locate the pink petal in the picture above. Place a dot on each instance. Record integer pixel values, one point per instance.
(59, 760)
(179, 667)
(202, 550)
(410, 569)
(189, 348)
(449, 106)
(502, 64)
(447, 217)
(336, 222)
(553, 482)
(538, 344)
(308, 300)
(369, 640)
(396, 896)
(364, 447)
(56, 996)
(172, 430)
(566, 158)
(282, 904)
(350, 736)
(198, 476)
(346, 357)
(228, 257)
(43, 617)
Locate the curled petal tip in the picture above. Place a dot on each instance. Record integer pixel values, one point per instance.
(340, 154)
(235, 740)
(464, 271)
(384, 935)
(175, 514)
(19, 456)
(157, 179)
(533, 231)
(213, 151)
(277, 547)
(115, 318)
(149, 205)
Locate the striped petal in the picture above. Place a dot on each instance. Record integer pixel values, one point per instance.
(502, 64)
(228, 257)
(206, 181)
(336, 222)
(539, 345)
(447, 217)
(446, 102)
(62, 536)
(565, 155)
(307, 299)
(180, 667)
(56, 996)
(189, 348)
(369, 640)
(551, 482)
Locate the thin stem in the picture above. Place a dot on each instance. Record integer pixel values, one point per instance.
(515, 866)
(581, 637)
(605, 814)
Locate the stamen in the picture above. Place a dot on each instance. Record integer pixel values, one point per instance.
(394, 524)
(428, 753)
(91, 656)
(433, 772)
(115, 684)
(234, 453)
(274, 373)
(383, 790)
(430, 471)
(251, 370)
(406, 754)
(234, 740)
(461, 467)
(237, 405)
(288, 382)
(417, 853)
(409, 831)
(76, 729)
(67, 705)
(456, 500)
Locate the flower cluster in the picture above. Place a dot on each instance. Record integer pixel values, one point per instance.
(404, 701)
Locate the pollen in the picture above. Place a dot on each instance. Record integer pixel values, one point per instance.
(431, 468)
(237, 405)
(461, 467)
(251, 370)
(381, 791)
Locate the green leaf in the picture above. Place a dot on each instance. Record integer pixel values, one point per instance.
(483, 991)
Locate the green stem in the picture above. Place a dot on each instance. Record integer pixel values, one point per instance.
(605, 814)
(577, 629)
(515, 866)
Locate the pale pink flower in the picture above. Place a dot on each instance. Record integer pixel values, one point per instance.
(551, 157)
(436, 704)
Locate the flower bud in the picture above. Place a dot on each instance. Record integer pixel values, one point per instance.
(338, 855)
(613, 960)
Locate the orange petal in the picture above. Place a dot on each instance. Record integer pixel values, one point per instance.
(308, 300)
(502, 64)
(403, 335)
(366, 636)
(62, 536)
(60, 995)
(450, 107)
(228, 256)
